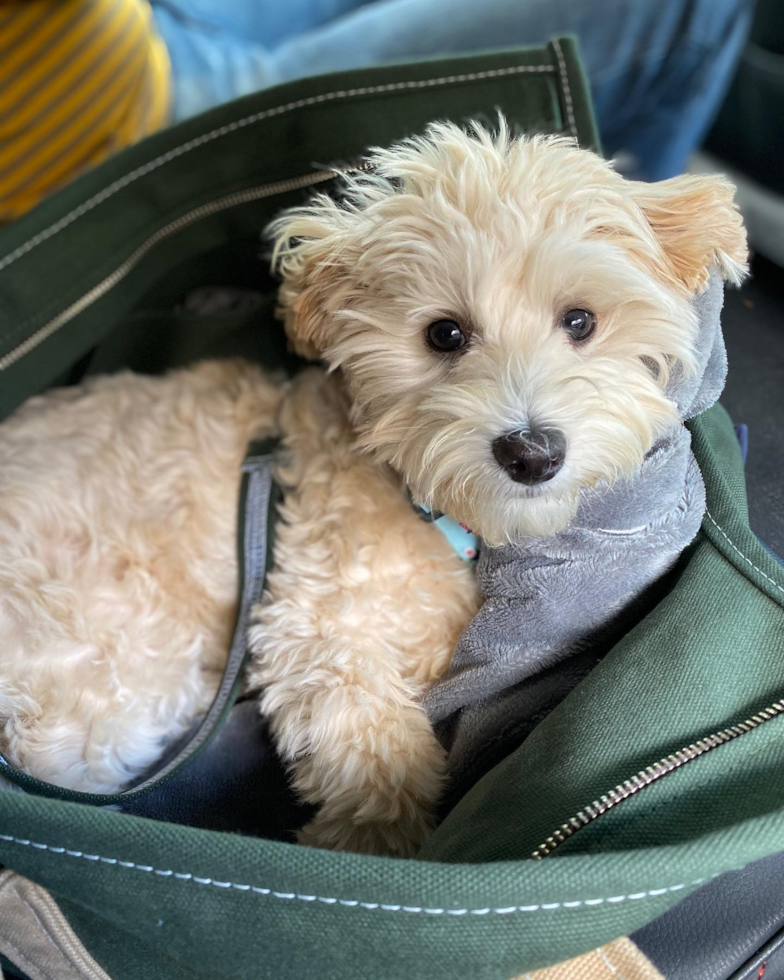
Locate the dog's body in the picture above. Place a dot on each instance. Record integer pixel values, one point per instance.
(118, 590)
(118, 577)
(505, 316)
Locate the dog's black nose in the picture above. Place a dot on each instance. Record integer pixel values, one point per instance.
(531, 455)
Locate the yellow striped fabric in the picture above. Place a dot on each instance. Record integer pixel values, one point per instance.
(79, 80)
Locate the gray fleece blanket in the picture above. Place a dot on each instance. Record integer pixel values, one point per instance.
(550, 605)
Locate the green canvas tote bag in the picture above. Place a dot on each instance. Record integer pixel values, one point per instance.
(660, 771)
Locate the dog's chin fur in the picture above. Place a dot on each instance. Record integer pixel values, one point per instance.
(504, 236)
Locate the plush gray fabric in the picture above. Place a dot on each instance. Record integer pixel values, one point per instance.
(546, 599)
(700, 390)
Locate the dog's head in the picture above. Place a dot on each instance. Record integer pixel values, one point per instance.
(506, 313)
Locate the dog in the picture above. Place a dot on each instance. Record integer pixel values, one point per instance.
(498, 317)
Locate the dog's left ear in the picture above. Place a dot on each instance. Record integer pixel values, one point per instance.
(698, 227)
(310, 253)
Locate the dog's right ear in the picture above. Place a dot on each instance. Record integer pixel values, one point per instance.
(311, 254)
(698, 226)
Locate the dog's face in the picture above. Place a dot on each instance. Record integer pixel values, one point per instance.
(506, 313)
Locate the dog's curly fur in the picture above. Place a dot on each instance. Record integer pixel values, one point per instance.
(363, 611)
(118, 577)
(118, 500)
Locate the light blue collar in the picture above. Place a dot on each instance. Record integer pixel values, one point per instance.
(464, 543)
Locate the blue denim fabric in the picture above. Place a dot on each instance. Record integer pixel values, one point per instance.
(658, 70)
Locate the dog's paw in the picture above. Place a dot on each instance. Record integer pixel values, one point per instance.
(375, 807)
(399, 838)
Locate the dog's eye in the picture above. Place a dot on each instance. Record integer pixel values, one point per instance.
(579, 323)
(445, 335)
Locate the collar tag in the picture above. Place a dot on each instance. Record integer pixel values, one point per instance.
(464, 542)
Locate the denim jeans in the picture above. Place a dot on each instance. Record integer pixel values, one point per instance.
(658, 68)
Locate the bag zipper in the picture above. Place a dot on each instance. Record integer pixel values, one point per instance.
(204, 211)
(650, 775)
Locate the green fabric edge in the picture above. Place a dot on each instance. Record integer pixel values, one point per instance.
(726, 520)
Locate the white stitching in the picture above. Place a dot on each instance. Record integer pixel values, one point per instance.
(606, 960)
(347, 903)
(221, 131)
(119, 272)
(566, 88)
(744, 557)
(37, 918)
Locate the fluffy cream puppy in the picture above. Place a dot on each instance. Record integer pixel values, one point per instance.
(505, 315)
(501, 317)
(562, 292)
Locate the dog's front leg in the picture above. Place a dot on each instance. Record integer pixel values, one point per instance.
(360, 745)
(361, 614)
